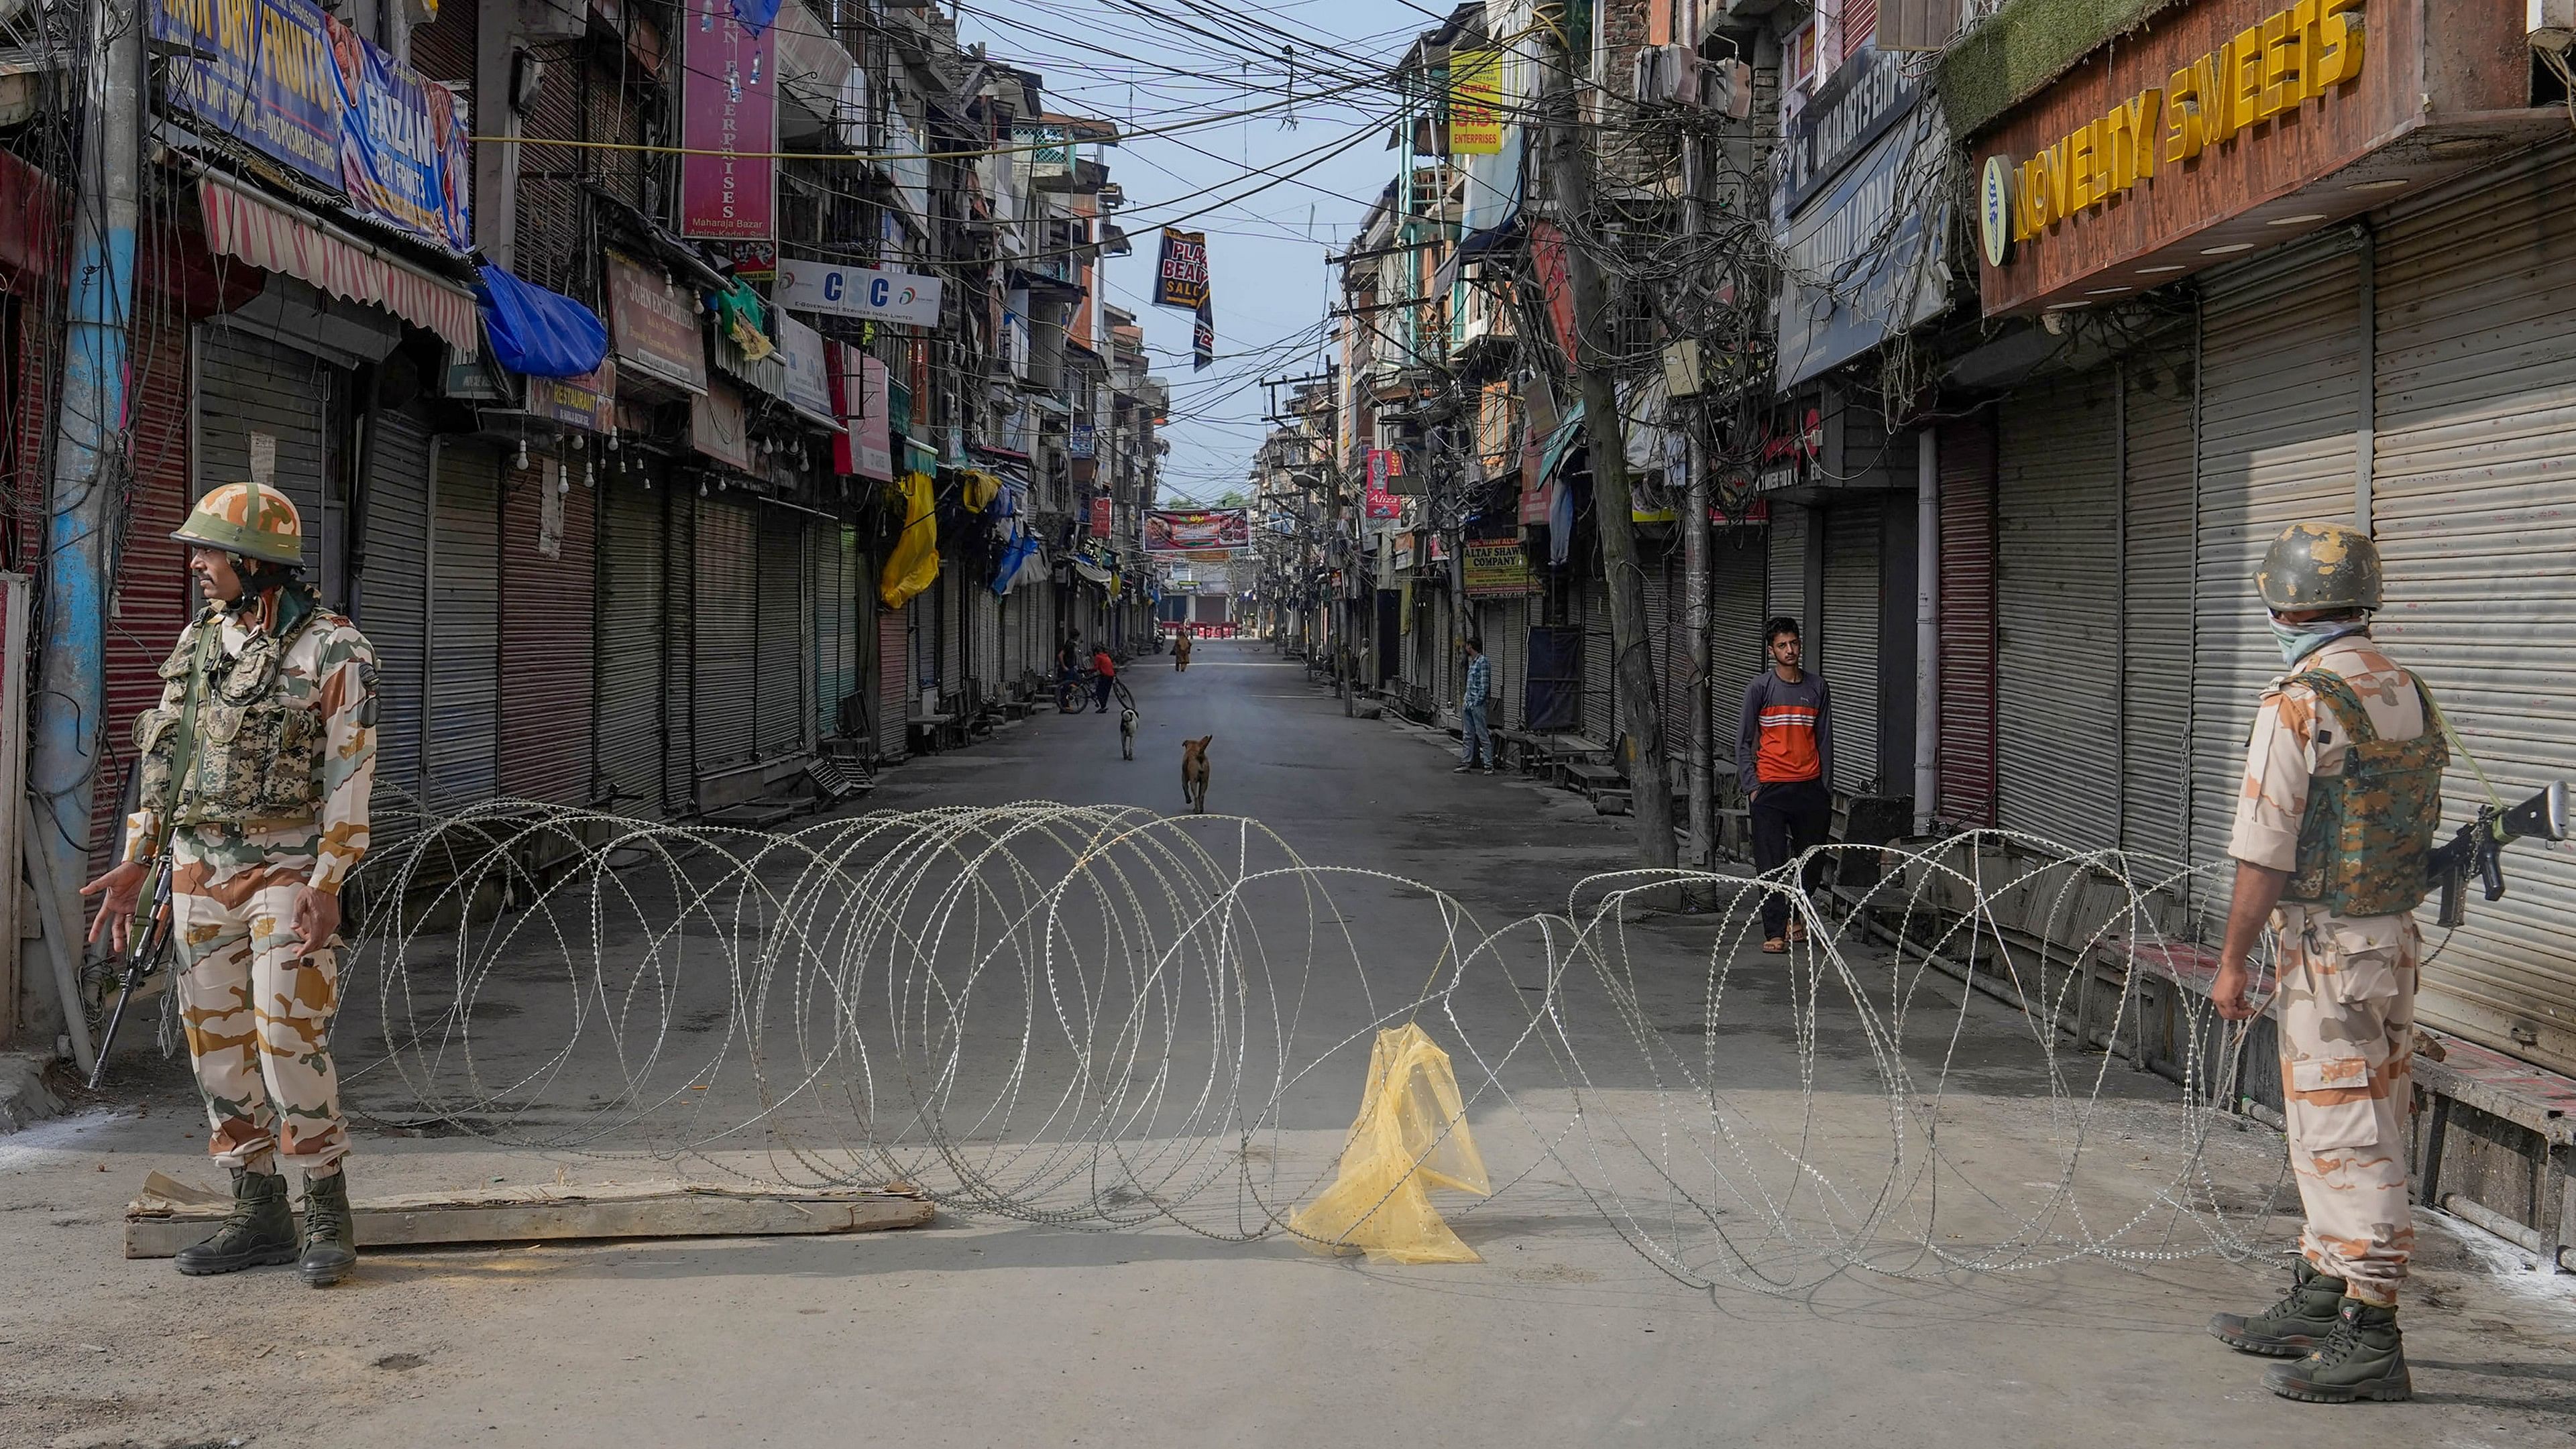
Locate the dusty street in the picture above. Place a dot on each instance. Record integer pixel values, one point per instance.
(983, 1331)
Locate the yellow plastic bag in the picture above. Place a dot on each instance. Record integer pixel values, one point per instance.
(1411, 1136)
(913, 565)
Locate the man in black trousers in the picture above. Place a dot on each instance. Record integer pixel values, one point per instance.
(1784, 755)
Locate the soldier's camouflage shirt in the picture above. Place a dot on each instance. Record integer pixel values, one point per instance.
(2296, 739)
(331, 669)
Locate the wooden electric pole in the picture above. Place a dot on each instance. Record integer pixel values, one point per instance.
(1569, 171)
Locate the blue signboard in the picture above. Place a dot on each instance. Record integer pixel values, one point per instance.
(270, 81)
(1864, 256)
(402, 144)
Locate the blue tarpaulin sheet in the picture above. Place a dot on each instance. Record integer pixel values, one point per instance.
(537, 333)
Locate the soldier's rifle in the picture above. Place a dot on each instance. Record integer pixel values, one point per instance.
(2480, 844)
(146, 937)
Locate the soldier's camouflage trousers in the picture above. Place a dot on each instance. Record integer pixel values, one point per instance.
(257, 1009)
(2347, 1025)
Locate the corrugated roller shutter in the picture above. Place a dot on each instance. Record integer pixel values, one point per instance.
(465, 626)
(154, 597)
(1845, 643)
(2155, 605)
(631, 641)
(1737, 560)
(248, 384)
(1600, 652)
(1788, 571)
(892, 666)
(783, 691)
(2475, 506)
(2279, 373)
(1966, 458)
(836, 624)
(2057, 569)
(548, 647)
(726, 605)
(393, 599)
(1507, 640)
(679, 650)
(989, 668)
(921, 657)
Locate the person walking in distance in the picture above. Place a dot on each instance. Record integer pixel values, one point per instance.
(2342, 797)
(1105, 678)
(1475, 710)
(256, 770)
(1784, 754)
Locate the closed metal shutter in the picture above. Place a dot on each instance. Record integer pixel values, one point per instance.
(2155, 605)
(2057, 569)
(1788, 572)
(987, 664)
(893, 664)
(465, 626)
(1600, 652)
(1966, 457)
(836, 624)
(2279, 374)
(548, 647)
(726, 606)
(154, 597)
(631, 634)
(393, 599)
(248, 384)
(1737, 575)
(679, 651)
(1844, 649)
(1506, 631)
(2475, 507)
(782, 692)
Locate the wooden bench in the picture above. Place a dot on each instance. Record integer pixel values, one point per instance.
(1592, 779)
(930, 728)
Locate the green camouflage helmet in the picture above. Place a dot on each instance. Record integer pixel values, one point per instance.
(249, 519)
(2327, 567)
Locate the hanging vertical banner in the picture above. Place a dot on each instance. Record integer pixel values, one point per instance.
(1181, 274)
(1476, 103)
(402, 144)
(1203, 336)
(865, 445)
(1100, 518)
(728, 126)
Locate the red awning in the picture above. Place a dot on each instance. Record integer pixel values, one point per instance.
(273, 236)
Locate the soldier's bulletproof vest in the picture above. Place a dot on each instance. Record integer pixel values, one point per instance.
(2367, 832)
(257, 755)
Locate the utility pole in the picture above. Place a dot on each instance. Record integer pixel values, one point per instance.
(82, 513)
(1570, 179)
(1702, 748)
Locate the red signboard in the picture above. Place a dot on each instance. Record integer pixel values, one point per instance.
(1099, 518)
(1174, 531)
(728, 126)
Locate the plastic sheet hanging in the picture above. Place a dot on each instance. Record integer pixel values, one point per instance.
(537, 333)
(1410, 1137)
(913, 565)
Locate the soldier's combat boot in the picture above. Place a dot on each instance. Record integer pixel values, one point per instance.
(2364, 1358)
(2303, 1318)
(329, 1247)
(258, 1231)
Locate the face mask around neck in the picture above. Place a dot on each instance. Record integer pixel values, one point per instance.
(2298, 641)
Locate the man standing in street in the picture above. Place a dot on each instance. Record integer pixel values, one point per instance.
(256, 770)
(1105, 678)
(2333, 830)
(1475, 709)
(1784, 754)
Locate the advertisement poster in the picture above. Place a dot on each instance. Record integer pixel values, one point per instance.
(845, 289)
(1476, 103)
(1100, 518)
(865, 445)
(1381, 504)
(1082, 441)
(1175, 531)
(1203, 336)
(402, 144)
(1181, 274)
(1497, 569)
(269, 81)
(653, 324)
(801, 350)
(728, 126)
(588, 402)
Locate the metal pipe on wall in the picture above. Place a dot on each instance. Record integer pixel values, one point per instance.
(1927, 627)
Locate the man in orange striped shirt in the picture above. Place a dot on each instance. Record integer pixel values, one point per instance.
(1784, 755)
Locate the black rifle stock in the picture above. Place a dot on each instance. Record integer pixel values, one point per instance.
(2480, 844)
(146, 937)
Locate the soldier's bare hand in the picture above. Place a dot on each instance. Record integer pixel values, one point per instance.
(316, 918)
(2228, 992)
(119, 889)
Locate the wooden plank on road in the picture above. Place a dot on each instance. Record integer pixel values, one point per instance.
(170, 1215)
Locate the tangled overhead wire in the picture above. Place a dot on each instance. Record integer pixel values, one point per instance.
(1096, 1017)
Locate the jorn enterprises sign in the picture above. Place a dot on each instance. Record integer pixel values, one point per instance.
(2230, 125)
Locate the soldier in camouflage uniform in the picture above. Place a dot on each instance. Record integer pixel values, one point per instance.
(256, 770)
(2333, 830)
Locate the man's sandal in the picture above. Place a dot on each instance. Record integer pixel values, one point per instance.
(1774, 946)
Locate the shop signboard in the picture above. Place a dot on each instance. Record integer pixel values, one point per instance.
(402, 144)
(588, 402)
(728, 125)
(1195, 531)
(1476, 102)
(654, 322)
(845, 289)
(802, 354)
(1497, 569)
(865, 445)
(259, 71)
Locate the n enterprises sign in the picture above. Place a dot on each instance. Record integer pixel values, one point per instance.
(1863, 241)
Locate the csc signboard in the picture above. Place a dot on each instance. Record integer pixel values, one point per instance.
(845, 290)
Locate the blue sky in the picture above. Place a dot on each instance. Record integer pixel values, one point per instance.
(1147, 63)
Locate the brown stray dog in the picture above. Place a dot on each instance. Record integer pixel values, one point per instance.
(1181, 652)
(1194, 772)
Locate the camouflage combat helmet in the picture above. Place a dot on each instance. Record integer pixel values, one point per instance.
(250, 519)
(2322, 566)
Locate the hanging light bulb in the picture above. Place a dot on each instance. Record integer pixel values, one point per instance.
(523, 455)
